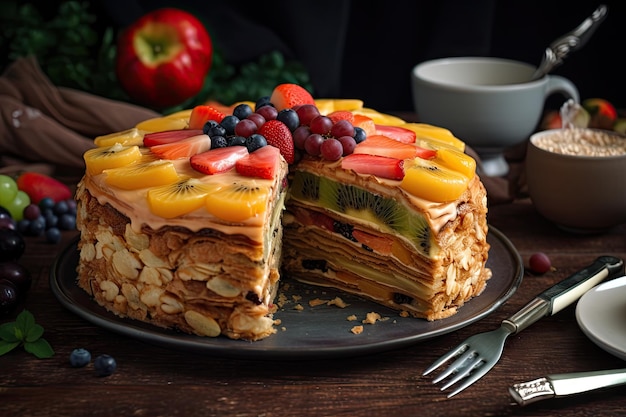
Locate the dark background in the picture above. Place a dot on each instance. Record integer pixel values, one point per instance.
(366, 50)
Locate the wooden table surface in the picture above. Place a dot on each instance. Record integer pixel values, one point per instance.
(157, 381)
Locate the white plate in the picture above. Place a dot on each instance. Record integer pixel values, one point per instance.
(601, 314)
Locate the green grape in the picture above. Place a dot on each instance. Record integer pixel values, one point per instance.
(8, 190)
(17, 206)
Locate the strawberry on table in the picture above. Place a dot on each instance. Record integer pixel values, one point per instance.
(262, 163)
(380, 166)
(287, 96)
(38, 186)
(202, 114)
(217, 160)
(277, 134)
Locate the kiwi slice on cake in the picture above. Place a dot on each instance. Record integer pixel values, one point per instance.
(384, 213)
(178, 198)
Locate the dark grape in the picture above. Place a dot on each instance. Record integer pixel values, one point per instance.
(104, 365)
(228, 123)
(242, 111)
(32, 211)
(348, 144)
(306, 113)
(321, 125)
(255, 141)
(331, 149)
(539, 263)
(11, 245)
(290, 118)
(342, 128)
(268, 112)
(359, 135)
(80, 357)
(8, 296)
(16, 274)
(7, 223)
(300, 135)
(245, 128)
(257, 119)
(312, 144)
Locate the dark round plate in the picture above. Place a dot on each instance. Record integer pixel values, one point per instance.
(313, 332)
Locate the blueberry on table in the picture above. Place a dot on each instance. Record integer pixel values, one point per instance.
(80, 357)
(104, 365)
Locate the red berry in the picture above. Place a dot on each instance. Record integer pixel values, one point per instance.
(539, 263)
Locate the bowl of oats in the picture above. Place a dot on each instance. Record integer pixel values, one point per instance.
(577, 178)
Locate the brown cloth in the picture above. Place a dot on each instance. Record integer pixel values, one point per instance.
(47, 129)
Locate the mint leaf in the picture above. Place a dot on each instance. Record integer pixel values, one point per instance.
(40, 348)
(6, 347)
(24, 331)
(8, 332)
(34, 333)
(24, 321)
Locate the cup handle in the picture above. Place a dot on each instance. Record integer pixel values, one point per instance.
(558, 84)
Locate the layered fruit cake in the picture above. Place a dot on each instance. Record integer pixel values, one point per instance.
(188, 221)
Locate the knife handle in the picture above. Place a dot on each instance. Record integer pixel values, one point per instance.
(572, 288)
(564, 293)
(563, 385)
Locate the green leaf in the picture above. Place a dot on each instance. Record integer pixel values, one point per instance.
(8, 332)
(40, 348)
(6, 347)
(34, 333)
(24, 321)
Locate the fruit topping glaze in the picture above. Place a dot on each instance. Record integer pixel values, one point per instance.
(223, 160)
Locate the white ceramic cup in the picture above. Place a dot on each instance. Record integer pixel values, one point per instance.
(489, 103)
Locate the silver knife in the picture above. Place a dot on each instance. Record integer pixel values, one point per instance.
(562, 385)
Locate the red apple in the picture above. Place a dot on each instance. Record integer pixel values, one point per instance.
(163, 58)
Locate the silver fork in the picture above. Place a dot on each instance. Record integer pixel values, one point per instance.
(479, 353)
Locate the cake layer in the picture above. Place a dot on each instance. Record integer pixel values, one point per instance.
(202, 281)
(386, 247)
